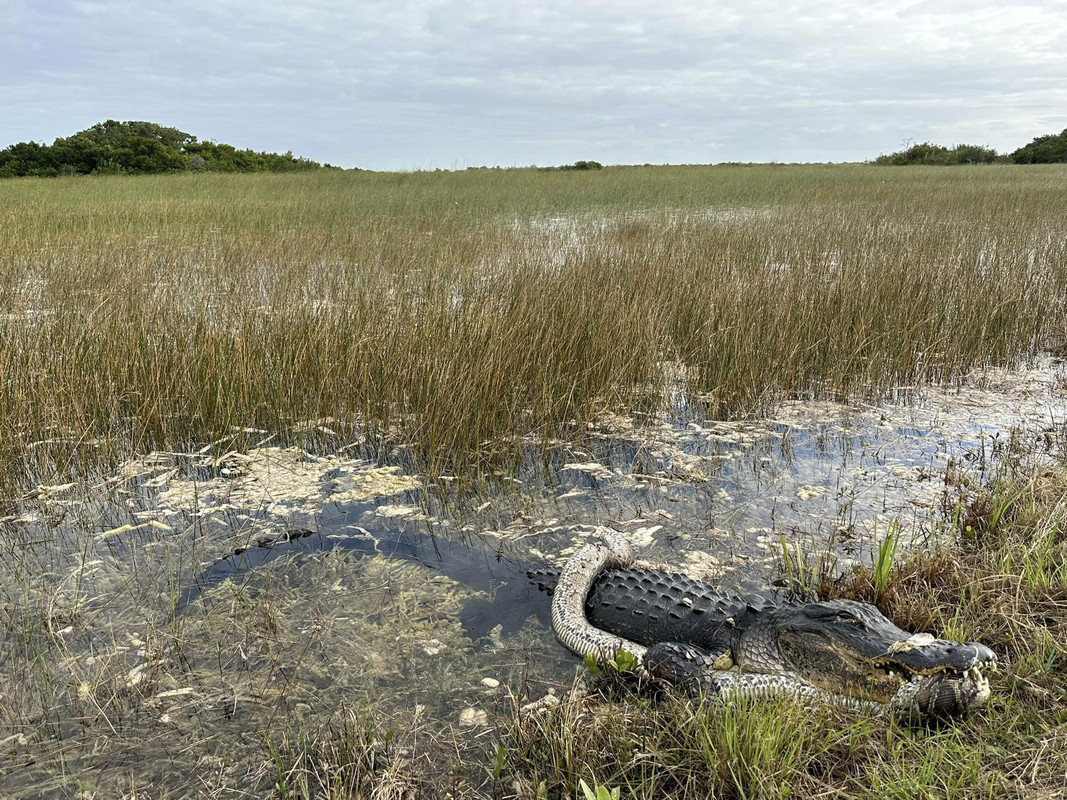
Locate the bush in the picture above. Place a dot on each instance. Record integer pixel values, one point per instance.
(928, 153)
(1051, 149)
(137, 148)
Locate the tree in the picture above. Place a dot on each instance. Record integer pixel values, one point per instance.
(975, 154)
(26, 158)
(1051, 149)
(138, 148)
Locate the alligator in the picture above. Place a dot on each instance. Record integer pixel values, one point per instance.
(682, 630)
(685, 632)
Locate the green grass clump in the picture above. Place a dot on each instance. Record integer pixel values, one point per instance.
(349, 757)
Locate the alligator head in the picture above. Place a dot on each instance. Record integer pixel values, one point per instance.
(851, 649)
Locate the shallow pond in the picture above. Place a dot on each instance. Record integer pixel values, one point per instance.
(172, 616)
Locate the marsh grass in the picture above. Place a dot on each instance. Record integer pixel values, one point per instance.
(351, 757)
(457, 313)
(454, 317)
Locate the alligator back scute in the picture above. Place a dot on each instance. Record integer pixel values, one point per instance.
(650, 606)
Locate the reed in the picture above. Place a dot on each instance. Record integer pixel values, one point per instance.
(461, 312)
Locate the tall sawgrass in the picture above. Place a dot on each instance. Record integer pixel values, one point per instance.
(459, 312)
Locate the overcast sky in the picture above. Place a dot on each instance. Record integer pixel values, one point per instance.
(421, 84)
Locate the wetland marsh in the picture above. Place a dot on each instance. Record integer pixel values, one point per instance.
(274, 451)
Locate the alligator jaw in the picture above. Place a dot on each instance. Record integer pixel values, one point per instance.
(923, 654)
(947, 677)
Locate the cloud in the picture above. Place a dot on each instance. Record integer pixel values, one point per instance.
(447, 83)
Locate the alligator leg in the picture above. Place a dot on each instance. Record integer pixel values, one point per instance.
(684, 665)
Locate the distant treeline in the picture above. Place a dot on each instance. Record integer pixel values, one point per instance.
(1051, 149)
(139, 148)
(577, 165)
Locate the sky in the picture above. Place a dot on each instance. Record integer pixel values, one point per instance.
(427, 84)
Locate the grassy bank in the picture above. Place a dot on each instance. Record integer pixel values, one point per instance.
(457, 312)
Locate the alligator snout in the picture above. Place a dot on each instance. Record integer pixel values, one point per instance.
(924, 654)
(983, 656)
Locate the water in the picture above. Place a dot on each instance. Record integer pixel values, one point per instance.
(141, 646)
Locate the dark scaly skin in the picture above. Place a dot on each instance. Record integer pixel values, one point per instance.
(723, 644)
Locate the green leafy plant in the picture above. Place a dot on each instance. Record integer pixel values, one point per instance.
(885, 560)
(622, 663)
(498, 760)
(598, 793)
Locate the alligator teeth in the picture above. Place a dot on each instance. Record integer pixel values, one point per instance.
(982, 685)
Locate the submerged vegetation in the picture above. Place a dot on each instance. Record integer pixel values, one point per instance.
(442, 325)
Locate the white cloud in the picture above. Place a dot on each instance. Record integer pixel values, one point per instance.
(387, 83)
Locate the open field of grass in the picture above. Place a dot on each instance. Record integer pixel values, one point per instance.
(446, 324)
(456, 312)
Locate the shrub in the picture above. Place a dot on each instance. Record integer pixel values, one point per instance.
(1051, 149)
